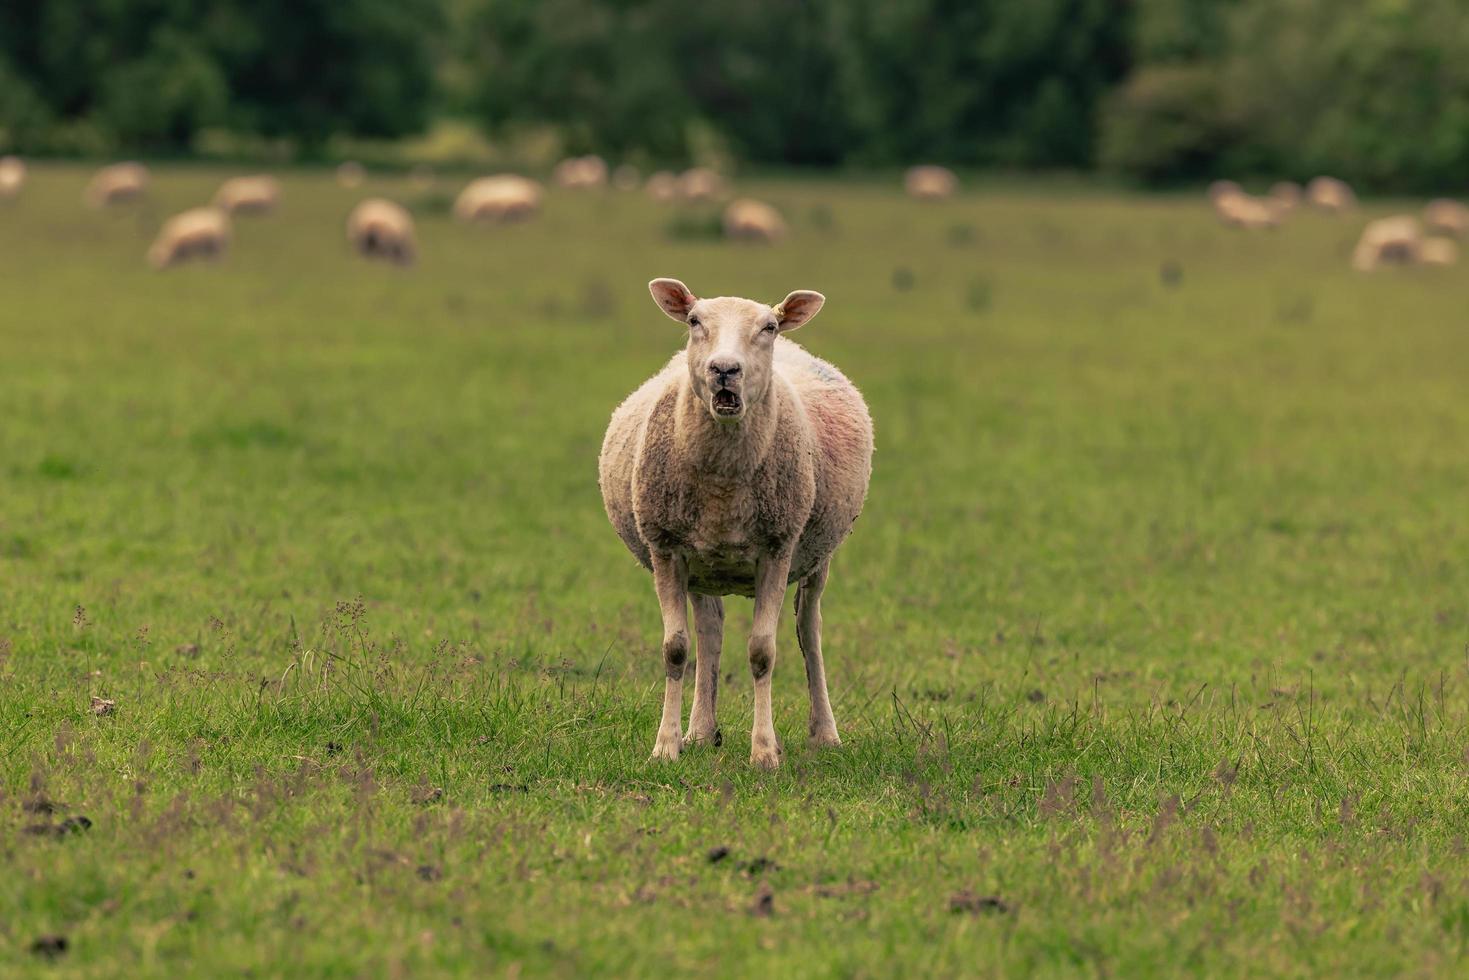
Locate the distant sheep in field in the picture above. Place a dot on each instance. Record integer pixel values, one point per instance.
(1447, 217)
(1240, 210)
(737, 469)
(12, 176)
(351, 174)
(1286, 195)
(1330, 194)
(626, 178)
(930, 183)
(662, 187)
(380, 229)
(581, 172)
(1389, 241)
(248, 195)
(504, 197)
(700, 185)
(199, 233)
(1439, 251)
(753, 221)
(117, 183)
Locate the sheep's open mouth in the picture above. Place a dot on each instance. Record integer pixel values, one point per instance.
(725, 402)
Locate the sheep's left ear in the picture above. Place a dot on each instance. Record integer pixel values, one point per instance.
(797, 308)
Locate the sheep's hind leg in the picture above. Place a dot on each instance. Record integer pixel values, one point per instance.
(670, 579)
(823, 726)
(770, 592)
(709, 628)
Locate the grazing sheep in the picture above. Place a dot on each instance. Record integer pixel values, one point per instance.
(753, 221)
(1447, 217)
(1388, 241)
(737, 470)
(199, 233)
(380, 229)
(626, 178)
(700, 184)
(117, 183)
(930, 183)
(580, 172)
(662, 187)
(1330, 194)
(1240, 210)
(1439, 251)
(351, 174)
(12, 176)
(504, 197)
(248, 195)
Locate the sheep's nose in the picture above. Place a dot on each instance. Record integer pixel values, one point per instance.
(724, 371)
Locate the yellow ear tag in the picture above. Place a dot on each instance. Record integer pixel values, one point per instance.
(779, 311)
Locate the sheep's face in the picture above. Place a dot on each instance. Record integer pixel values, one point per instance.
(731, 347)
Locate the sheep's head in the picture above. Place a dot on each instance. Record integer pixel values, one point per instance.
(731, 345)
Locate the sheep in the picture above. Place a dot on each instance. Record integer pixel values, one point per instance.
(504, 197)
(737, 469)
(1447, 217)
(199, 233)
(351, 174)
(12, 176)
(1240, 210)
(248, 195)
(380, 229)
(1439, 251)
(580, 172)
(754, 221)
(930, 183)
(700, 184)
(662, 187)
(1396, 240)
(626, 178)
(1286, 196)
(1330, 194)
(117, 183)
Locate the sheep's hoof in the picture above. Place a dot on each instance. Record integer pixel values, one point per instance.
(665, 749)
(826, 738)
(765, 756)
(693, 738)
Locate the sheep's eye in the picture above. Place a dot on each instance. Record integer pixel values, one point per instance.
(769, 327)
(694, 322)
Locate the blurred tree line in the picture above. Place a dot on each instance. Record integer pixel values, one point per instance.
(1376, 91)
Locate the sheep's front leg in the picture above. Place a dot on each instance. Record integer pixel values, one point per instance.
(823, 727)
(709, 628)
(770, 592)
(670, 579)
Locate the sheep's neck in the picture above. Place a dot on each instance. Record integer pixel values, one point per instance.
(729, 449)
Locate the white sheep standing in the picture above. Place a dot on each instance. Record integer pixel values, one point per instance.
(116, 183)
(1240, 210)
(1330, 194)
(1446, 216)
(199, 233)
(928, 182)
(12, 176)
(503, 197)
(248, 195)
(753, 221)
(1397, 240)
(662, 187)
(737, 470)
(380, 229)
(581, 172)
(700, 185)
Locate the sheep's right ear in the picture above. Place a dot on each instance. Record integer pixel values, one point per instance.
(673, 298)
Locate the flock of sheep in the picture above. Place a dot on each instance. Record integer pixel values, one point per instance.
(1401, 239)
(382, 229)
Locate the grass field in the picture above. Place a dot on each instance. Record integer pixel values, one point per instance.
(1149, 651)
